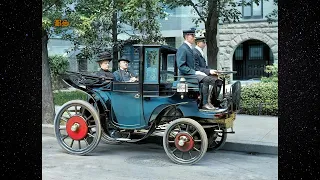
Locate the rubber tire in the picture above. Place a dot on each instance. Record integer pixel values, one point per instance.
(96, 117)
(224, 139)
(201, 131)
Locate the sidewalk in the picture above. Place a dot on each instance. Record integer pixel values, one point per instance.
(253, 134)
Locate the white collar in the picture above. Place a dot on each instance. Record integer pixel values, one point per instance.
(200, 50)
(189, 44)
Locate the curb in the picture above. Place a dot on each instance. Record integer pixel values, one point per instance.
(228, 146)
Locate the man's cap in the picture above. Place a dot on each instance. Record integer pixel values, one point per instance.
(124, 58)
(104, 56)
(191, 31)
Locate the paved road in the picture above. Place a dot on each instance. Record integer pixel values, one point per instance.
(149, 161)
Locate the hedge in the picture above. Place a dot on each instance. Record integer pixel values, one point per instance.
(61, 97)
(260, 99)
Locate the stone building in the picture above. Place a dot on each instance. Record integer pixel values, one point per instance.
(246, 46)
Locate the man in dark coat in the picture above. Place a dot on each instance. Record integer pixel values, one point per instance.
(186, 65)
(104, 60)
(123, 74)
(212, 77)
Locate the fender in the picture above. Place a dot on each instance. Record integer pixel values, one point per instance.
(161, 110)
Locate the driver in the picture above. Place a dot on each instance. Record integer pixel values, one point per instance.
(104, 60)
(123, 74)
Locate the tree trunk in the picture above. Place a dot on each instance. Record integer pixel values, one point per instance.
(115, 40)
(47, 95)
(211, 35)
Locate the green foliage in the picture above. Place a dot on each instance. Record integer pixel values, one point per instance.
(273, 16)
(96, 24)
(61, 97)
(263, 94)
(51, 10)
(273, 71)
(58, 64)
(260, 94)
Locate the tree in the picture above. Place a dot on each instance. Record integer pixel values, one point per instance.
(51, 10)
(96, 24)
(273, 16)
(210, 12)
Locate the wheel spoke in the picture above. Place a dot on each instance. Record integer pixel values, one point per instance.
(69, 113)
(82, 112)
(197, 140)
(65, 119)
(79, 144)
(196, 149)
(174, 150)
(172, 135)
(187, 128)
(89, 117)
(170, 141)
(190, 154)
(91, 126)
(182, 155)
(75, 109)
(65, 136)
(71, 143)
(91, 135)
(194, 132)
(179, 127)
(85, 140)
(62, 128)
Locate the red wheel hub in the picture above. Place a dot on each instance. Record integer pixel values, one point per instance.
(77, 127)
(184, 141)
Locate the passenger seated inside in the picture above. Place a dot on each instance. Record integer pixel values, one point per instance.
(104, 59)
(123, 74)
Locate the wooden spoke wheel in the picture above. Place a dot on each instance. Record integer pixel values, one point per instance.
(77, 132)
(185, 141)
(216, 140)
(105, 137)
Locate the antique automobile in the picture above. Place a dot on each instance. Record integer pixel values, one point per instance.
(161, 101)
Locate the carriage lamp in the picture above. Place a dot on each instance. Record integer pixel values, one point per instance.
(182, 87)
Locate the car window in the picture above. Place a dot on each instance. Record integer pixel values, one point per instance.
(167, 68)
(151, 65)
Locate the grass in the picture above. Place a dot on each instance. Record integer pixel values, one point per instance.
(59, 98)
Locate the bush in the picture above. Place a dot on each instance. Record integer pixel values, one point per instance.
(58, 65)
(273, 70)
(59, 98)
(260, 99)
